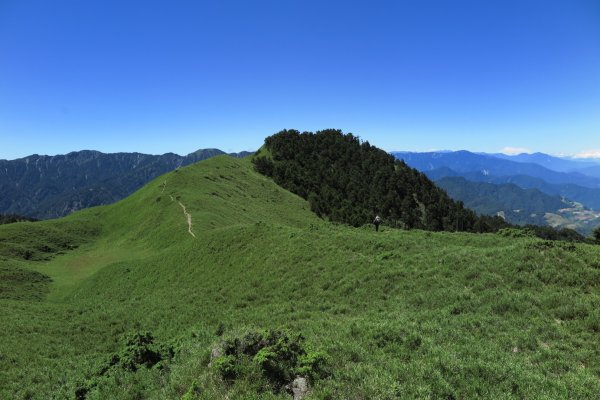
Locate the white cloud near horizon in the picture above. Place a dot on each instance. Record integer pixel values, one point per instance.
(512, 151)
(588, 154)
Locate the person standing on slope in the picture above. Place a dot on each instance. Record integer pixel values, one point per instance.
(376, 222)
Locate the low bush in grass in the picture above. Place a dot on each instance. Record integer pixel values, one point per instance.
(275, 357)
(516, 232)
(140, 351)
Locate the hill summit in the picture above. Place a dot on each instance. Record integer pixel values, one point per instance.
(351, 181)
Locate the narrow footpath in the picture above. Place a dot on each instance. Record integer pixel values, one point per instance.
(187, 215)
(189, 219)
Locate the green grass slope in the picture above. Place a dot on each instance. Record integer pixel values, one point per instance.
(399, 314)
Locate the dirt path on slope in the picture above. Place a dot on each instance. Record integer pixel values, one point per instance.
(188, 217)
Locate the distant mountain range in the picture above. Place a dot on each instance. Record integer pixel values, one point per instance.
(517, 205)
(490, 166)
(550, 162)
(525, 188)
(551, 179)
(44, 187)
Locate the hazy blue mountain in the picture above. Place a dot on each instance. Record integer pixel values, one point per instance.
(465, 162)
(587, 196)
(551, 162)
(442, 172)
(590, 171)
(44, 187)
(517, 205)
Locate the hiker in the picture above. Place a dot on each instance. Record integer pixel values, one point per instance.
(376, 222)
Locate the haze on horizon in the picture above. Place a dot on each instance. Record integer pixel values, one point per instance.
(163, 76)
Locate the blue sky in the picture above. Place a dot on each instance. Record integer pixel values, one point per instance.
(160, 76)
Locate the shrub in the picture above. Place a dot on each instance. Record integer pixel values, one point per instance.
(140, 351)
(193, 391)
(226, 367)
(279, 357)
(313, 365)
(516, 232)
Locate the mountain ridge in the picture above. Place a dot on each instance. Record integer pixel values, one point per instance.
(465, 161)
(349, 181)
(41, 186)
(554, 163)
(587, 196)
(516, 205)
(488, 169)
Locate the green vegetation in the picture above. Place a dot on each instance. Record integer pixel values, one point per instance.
(550, 233)
(349, 181)
(140, 351)
(522, 206)
(519, 206)
(271, 359)
(10, 218)
(575, 217)
(61, 184)
(364, 315)
(22, 284)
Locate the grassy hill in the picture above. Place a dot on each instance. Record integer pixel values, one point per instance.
(46, 187)
(397, 314)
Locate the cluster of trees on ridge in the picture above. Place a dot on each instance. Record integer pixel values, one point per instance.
(349, 181)
(11, 218)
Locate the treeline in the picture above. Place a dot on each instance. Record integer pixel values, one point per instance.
(349, 181)
(10, 218)
(550, 233)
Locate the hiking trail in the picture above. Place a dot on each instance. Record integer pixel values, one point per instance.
(187, 215)
(189, 219)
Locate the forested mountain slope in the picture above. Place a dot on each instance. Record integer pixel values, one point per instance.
(518, 206)
(585, 195)
(351, 182)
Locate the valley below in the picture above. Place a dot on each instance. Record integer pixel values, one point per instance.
(576, 217)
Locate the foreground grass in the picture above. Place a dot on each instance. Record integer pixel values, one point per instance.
(401, 314)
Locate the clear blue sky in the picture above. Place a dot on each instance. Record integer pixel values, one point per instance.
(160, 76)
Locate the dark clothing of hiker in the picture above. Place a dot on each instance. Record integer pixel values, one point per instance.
(376, 222)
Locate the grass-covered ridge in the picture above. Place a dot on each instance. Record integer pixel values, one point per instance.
(395, 314)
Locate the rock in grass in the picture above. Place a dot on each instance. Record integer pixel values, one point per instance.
(299, 388)
(216, 352)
